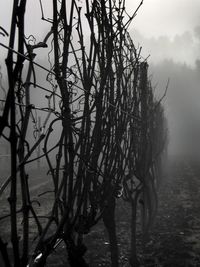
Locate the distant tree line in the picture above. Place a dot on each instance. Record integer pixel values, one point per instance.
(112, 137)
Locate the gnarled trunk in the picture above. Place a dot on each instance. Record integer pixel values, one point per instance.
(133, 260)
(109, 222)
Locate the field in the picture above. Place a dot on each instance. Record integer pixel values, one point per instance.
(174, 238)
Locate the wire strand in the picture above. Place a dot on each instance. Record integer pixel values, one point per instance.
(53, 73)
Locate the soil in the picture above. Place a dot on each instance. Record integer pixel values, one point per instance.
(174, 240)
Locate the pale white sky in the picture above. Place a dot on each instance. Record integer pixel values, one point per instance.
(155, 18)
(164, 28)
(165, 17)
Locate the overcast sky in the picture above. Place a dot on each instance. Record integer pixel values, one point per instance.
(155, 17)
(166, 29)
(166, 17)
(175, 20)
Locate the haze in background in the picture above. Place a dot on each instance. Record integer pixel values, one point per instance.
(168, 31)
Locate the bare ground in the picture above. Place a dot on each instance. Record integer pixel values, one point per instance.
(174, 239)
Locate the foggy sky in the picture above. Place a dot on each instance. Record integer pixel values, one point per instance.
(158, 18)
(182, 104)
(182, 48)
(160, 26)
(168, 31)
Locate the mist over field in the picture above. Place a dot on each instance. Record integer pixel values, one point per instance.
(170, 39)
(99, 133)
(176, 58)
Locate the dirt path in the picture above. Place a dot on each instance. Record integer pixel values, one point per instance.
(175, 237)
(176, 233)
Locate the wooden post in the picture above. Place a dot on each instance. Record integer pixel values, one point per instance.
(39, 146)
(143, 143)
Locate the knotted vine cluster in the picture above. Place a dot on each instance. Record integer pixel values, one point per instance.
(110, 130)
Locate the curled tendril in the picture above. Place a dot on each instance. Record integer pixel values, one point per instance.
(30, 39)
